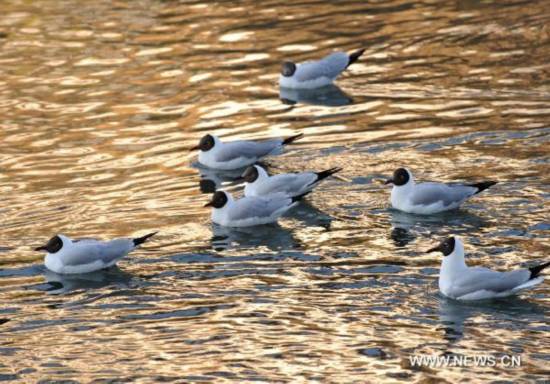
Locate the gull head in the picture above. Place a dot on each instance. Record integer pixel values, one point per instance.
(219, 200)
(54, 245)
(401, 176)
(288, 69)
(446, 247)
(251, 174)
(207, 143)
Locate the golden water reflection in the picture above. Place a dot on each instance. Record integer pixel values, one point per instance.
(101, 101)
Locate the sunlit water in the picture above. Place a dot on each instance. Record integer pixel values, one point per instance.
(100, 102)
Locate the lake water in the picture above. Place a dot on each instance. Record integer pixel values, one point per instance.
(100, 102)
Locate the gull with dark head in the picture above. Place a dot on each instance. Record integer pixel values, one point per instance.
(259, 183)
(458, 281)
(429, 198)
(229, 155)
(66, 256)
(318, 73)
(249, 211)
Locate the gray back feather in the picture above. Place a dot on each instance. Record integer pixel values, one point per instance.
(248, 149)
(430, 193)
(293, 182)
(249, 207)
(485, 279)
(87, 251)
(330, 66)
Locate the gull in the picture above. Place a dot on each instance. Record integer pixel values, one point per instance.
(66, 256)
(249, 211)
(238, 154)
(458, 281)
(259, 183)
(429, 198)
(316, 74)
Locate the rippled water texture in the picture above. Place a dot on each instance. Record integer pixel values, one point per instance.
(100, 102)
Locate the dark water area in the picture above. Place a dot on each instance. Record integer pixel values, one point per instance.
(100, 102)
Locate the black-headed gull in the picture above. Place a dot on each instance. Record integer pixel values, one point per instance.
(249, 211)
(318, 73)
(229, 155)
(66, 256)
(458, 281)
(429, 198)
(259, 183)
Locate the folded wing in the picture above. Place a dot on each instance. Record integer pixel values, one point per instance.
(447, 194)
(479, 279)
(87, 251)
(247, 149)
(258, 207)
(292, 184)
(330, 66)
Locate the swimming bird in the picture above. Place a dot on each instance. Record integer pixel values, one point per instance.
(458, 281)
(249, 211)
(316, 74)
(66, 256)
(259, 183)
(238, 154)
(429, 198)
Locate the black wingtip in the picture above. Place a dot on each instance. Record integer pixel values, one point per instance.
(329, 172)
(482, 186)
(291, 139)
(536, 270)
(355, 56)
(300, 197)
(143, 239)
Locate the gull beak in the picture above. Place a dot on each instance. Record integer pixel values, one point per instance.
(389, 181)
(42, 248)
(434, 249)
(195, 148)
(287, 101)
(209, 204)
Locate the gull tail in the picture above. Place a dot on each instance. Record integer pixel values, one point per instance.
(324, 174)
(482, 186)
(143, 239)
(291, 139)
(535, 271)
(300, 197)
(355, 56)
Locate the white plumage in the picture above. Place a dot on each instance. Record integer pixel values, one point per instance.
(429, 198)
(66, 256)
(259, 183)
(318, 73)
(458, 281)
(249, 211)
(217, 154)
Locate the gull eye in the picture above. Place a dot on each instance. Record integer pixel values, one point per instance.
(206, 143)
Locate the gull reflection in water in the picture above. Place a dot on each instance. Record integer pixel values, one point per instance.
(212, 179)
(66, 283)
(310, 215)
(453, 314)
(402, 223)
(271, 236)
(330, 96)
